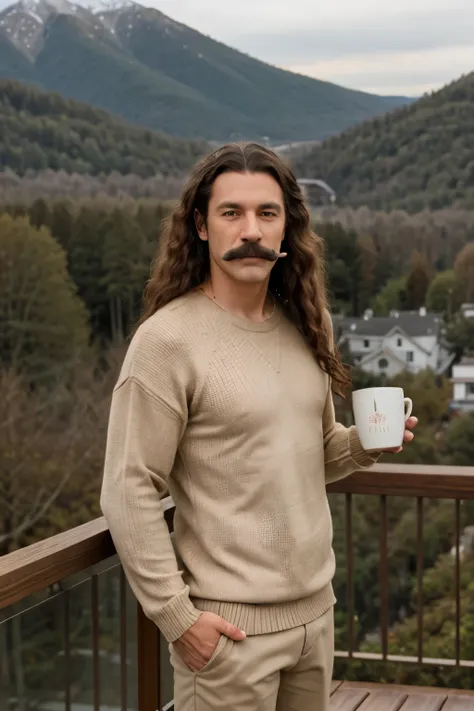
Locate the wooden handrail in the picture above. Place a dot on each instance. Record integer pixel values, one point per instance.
(42, 564)
(35, 567)
(431, 482)
(39, 565)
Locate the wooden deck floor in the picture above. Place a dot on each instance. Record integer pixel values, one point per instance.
(357, 696)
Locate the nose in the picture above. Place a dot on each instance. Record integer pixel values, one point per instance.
(251, 231)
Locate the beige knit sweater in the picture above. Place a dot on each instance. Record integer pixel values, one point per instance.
(235, 420)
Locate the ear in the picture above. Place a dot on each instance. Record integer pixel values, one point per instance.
(200, 223)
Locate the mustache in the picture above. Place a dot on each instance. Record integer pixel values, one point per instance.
(251, 249)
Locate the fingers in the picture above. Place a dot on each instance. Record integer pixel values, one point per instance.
(190, 656)
(408, 437)
(411, 422)
(231, 631)
(194, 663)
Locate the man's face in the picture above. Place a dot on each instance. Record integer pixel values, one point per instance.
(245, 225)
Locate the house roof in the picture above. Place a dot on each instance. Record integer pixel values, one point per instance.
(412, 324)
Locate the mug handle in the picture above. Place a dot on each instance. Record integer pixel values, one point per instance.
(408, 407)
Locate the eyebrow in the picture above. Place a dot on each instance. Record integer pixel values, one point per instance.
(264, 206)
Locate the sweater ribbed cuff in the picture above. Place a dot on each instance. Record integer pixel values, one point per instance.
(363, 459)
(177, 617)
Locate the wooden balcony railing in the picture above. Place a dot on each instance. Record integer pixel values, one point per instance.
(413, 481)
(46, 569)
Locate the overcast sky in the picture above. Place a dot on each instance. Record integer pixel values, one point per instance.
(382, 46)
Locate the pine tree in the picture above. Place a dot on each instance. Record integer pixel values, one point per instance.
(418, 281)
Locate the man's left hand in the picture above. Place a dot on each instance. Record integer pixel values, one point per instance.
(410, 424)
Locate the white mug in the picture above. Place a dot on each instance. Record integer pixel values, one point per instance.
(380, 415)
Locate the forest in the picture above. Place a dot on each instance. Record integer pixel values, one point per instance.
(416, 157)
(71, 278)
(42, 130)
(165, 76)
(83, 196)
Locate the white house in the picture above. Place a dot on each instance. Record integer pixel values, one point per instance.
(467, 310)
(463, 385)
(387, 345)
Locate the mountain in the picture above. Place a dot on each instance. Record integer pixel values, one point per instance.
(400, 100)
(40, 130)
(13, 63)
(419, 156)
(151, 70)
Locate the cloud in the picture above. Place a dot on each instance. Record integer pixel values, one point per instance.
(408, 73)
(348, 37)
(403, 47)
(407, 47)
(323, 22)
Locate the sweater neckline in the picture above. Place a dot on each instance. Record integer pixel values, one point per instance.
(244, 323)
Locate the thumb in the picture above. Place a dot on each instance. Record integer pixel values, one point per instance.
(231, 631)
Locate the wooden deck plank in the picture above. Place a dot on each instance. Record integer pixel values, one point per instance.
(408, 689)
(360, 696)
(347, 699)
(424, 702)
(457, 702)
(384, 699)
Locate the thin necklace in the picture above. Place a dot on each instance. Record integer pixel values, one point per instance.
(213, 298)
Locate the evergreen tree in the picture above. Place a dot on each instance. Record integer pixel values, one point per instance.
(418, 281)
(86, 265)
(125, 266)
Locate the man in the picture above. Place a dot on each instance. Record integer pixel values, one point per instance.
(224, 400)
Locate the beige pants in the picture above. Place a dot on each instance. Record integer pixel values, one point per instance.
(285, 671)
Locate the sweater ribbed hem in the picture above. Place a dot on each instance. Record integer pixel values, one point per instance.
(267, 619)
(177, 617)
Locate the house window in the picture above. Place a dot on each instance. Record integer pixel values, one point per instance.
(410, 356)
(366, 343)
(399, 342)
(383, 364)
(470, 389)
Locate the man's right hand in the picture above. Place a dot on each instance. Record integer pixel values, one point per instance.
(197, 645)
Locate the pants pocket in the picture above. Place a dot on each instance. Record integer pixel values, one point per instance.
(223, 646)
(318, 632)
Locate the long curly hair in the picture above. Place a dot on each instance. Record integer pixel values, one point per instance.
(298, 281)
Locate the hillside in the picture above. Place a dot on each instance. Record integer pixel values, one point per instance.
(14, 64)
(420, 156)
(151, 70)
(40, 130)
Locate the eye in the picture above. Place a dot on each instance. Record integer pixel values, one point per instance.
(230, 213)
(268, 213)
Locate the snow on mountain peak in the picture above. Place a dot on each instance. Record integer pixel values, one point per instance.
(102, 6)
(39, 10)
(24, 21)
(62, 6)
